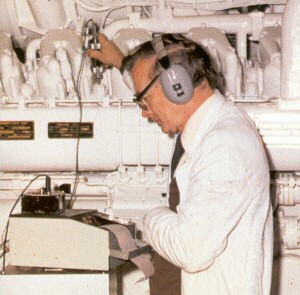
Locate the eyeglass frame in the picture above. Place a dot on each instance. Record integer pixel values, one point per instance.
(139, 98)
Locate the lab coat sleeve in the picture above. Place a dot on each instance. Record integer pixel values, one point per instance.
(217, 197)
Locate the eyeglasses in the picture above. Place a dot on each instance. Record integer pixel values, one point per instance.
(139, 99)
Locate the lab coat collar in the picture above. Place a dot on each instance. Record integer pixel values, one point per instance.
(211, 112)
(192, 125)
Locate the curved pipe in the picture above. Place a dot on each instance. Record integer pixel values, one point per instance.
(241, 25)
(32, 48)
(31, 62)
(89, 7)
(54, 17)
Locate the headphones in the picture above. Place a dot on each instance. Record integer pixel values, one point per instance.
(176, 82)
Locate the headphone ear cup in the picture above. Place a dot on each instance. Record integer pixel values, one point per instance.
(177, 84)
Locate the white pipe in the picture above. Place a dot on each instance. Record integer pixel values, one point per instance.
(161, 4)
(111, 29)
(228, 23)
(54, 17)
(5, 43)
(9, 20)
(290, 70)
(31, 62)
(233, 24)
(95, 8)
(32, 48)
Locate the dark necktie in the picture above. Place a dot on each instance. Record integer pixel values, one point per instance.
(178, 152)
(167, 277)
(173, 188)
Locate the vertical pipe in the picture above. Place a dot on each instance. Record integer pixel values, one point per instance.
(139, 138)
(290, 69)
(242, 45)
(9, 21)
(120, 132)
(161, 4)
(48, 14)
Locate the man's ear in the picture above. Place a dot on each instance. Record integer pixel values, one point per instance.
(204, 84)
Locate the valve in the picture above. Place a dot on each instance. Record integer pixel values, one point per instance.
(91, 41)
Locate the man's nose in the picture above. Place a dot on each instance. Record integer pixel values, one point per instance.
(145, 113)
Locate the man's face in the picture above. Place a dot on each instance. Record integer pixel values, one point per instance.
(159, 109)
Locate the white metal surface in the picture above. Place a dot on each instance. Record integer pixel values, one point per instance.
(291, 51)
(125, 162)
(68, 244)
(120, 137)
(58, 284)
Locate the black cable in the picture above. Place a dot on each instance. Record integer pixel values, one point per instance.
(73, 195)
(77, 171)
(107, 15)
(10, 214)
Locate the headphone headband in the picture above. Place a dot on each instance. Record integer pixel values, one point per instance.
(161, 51)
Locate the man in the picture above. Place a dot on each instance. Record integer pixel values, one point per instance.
(220, 233)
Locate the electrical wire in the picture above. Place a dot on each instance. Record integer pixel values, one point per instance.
(95, 8)
(96, 4)
(76, 181)
(146, 11)
(10, 214)
(77, 171)
(106, 16)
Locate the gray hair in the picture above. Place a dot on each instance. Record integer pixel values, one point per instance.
(181, 51)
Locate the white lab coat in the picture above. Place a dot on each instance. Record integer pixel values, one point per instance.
(222, 236)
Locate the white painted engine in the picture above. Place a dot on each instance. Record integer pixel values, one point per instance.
(47, 87)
